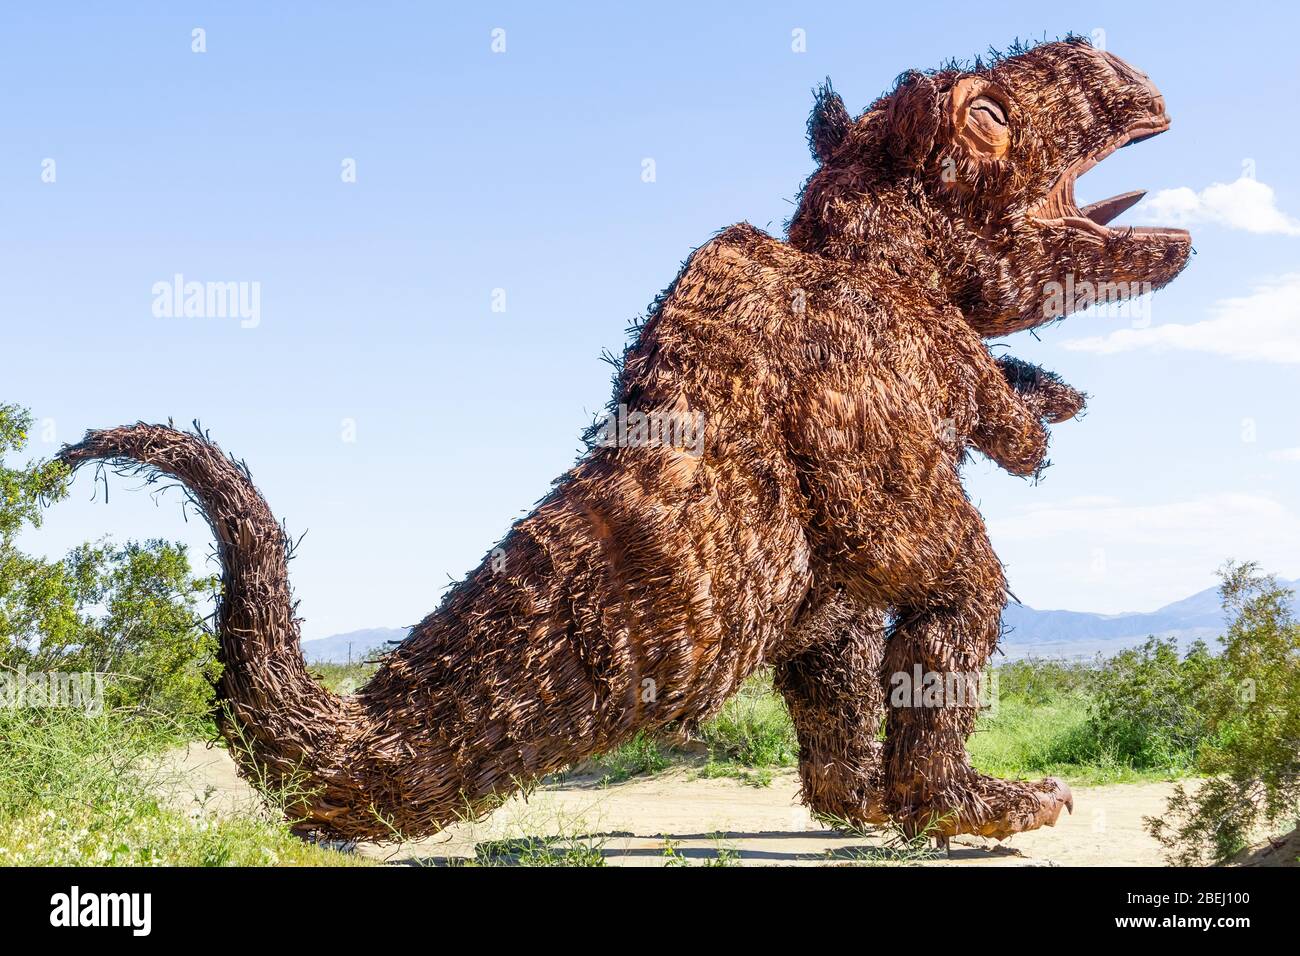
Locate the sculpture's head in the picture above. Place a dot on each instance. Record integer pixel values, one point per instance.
(972, 173)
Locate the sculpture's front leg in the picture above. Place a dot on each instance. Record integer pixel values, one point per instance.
(943, 639)
(1015, 402)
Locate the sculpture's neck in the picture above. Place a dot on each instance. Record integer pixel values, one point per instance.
(893, 236)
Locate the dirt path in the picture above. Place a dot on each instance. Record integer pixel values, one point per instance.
(703, 818)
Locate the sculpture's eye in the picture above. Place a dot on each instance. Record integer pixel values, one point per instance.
(990, 108)
(987, 130)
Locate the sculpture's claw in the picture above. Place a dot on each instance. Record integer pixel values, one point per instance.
(1018, 807)
(1053, 795)
(1067, 793)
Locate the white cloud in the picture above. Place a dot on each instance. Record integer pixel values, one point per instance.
(1109, 556)
(1263, 326)
(1285, 454)
(1246, 204)
(1109, 518)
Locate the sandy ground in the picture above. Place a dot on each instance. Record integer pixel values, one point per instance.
(755, 826)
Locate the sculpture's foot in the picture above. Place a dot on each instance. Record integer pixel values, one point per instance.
(990, 807)
(846, 794)
(871, 812)
(1023, 806)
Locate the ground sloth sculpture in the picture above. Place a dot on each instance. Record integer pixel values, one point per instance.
(842, 378)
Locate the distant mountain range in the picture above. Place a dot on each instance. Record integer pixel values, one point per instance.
(1032, 633)
(1035, 633)
(354, 645)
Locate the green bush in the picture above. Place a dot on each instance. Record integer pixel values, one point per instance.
(754, 727)
(1038, 681)
(1148, 704)
(1250, 749)
(128, 612)
(136, 620)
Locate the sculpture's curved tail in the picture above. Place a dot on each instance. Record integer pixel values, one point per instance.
(283, 726)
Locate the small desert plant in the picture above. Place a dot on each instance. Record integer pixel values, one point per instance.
(542, 851)
(643, 754)
(714, 769)
(536, 833)
(753, 728)
(724, 855)
(892, 846)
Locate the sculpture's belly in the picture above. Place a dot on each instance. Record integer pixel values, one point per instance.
(698, 584)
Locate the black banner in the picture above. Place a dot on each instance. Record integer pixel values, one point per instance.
(341, 905)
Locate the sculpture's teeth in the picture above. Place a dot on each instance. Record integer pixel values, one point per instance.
(1107, 209)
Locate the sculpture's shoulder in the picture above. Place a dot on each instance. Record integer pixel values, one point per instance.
(751, 253)
(747, 242)
(742, 261)
(743, 271)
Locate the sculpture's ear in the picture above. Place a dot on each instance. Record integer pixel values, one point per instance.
(828, 124)
(913, 118)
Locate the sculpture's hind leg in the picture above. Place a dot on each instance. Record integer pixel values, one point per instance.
(946, 640)
(834, 692)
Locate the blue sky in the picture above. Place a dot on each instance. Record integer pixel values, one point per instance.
(522, 171)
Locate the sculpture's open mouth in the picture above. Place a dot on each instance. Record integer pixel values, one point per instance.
(1059, 208)
(1092, 222)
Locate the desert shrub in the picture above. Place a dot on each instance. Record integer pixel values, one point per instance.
(642, 754)
(129, 612)
(752, 731)
(84, 785)
(83, 790)
(1250, 751)
(1148, 704)
(53, 759)
(1028, 737)
(754, 727)
(1038, 681)
(343, 678)
(1130, 717)
(136, 619)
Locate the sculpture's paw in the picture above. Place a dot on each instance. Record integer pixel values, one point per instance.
(988, 807)
(1017, 807)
